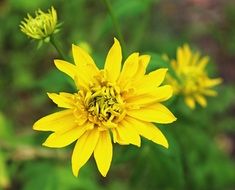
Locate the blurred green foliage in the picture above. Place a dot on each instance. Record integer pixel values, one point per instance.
(200, 154)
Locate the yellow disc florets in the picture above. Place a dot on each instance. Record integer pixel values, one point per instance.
(103, 104)
(193, 80)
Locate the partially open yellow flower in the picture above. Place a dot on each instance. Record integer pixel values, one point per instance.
(191, 78)
(41, 26)
(110, 105)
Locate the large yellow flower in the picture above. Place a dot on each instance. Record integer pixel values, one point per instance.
(191, 79)
(110, 105)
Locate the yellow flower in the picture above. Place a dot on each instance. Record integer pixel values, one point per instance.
(42, 26)
(84, 45)
(110, 105)
(191, 79)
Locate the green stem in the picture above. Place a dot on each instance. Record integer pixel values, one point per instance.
(56, 46)
(115, 24)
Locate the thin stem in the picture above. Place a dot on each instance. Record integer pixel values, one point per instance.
(115, 24)
(56, 46)
(22, 152)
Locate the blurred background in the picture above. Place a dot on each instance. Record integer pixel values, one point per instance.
(202, 142)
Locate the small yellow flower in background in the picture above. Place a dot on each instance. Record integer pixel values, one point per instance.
(41, 26)
(85, 46)
(110, 105)
(191, 78)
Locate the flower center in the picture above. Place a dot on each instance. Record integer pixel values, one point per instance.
(104, 104)
(193, 81)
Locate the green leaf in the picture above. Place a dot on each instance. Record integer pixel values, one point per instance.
(51, 175)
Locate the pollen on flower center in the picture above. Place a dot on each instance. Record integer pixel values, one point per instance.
(103, 104)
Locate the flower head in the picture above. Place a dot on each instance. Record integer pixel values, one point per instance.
(110, 106)
(191, 78)
(40, 27)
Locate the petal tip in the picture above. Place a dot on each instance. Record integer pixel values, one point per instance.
(166, 145)
(138, 144)
(57, 62)
(165, 69)
(46, 144)
(49, 94)
(173, 118)
(74, 46)
(75, 173)
(115, 40)
(104, 174)
(35, 126)
(148, 57)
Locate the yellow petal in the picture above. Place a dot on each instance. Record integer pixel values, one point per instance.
(150, 81)
(208, 92)
(201, 100)
(128, 134)
(64, 100)
(58, 140)
(162, 93)
(190, 102)
(87, 76)
(212, 82)
(103, 152)
(129, 68)
(59, 121)
(158, 76)
(187, 55)
(66, 67)
(84, 149)
(82, 81)
(180, 57)
(83, 75)
(143, 63)
(203, 62)
(153, 113)
(158, 94)
(148, 130)
(195, 58)
(86, 67)
(81, 57)
(113, 61)
(139, 75)
(117, 138)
